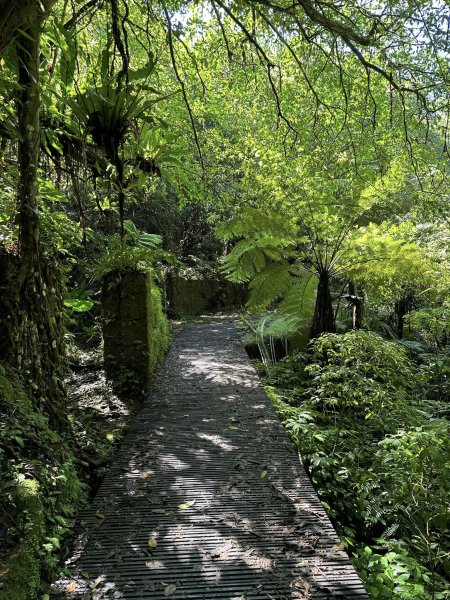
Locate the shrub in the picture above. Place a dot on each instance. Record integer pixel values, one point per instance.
(360, 375)
(392, 574)
(376, 453)
(415, 467)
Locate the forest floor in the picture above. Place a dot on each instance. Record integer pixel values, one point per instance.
(100, 416)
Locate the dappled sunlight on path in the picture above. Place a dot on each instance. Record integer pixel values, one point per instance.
(207, 498)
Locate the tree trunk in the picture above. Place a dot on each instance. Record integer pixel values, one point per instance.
(35, 293)
(17, 15)
(402, 308)
(356, 301)
(323, 321)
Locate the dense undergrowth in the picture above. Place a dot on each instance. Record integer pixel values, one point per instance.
(369, 419)
(40, 490)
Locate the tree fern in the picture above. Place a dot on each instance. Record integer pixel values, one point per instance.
(300, 297)
(266, 238)
(251, 255)
(254, 223)
(265, 256)
(269, 285)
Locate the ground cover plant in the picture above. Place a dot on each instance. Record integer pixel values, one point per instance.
(377, 449)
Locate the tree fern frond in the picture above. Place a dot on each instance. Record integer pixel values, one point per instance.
(250, 256)
(253, 222)
(269, 285)
(240, 266)
(390, 531)
(282, 326)
(300, 297)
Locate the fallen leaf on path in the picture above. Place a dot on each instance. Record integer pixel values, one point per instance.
(96, 583)
(152, 543)
(170, 589)
(186, 504)
(70, 589)
(154, 564)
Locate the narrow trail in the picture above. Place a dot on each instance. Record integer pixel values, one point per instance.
(206, 498)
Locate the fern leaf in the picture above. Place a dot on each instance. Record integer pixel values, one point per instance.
(270, 284)
(282, 326)
(300, 298)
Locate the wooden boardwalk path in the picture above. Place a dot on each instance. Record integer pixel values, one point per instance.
(207, 499)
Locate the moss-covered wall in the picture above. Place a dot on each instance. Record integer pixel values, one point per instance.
(198, 296)
(135, 330)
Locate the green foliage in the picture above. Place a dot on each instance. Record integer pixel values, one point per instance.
(107, 112)
(7, 211)
(435, 379)
(419, 502)
(386, 259)
(148, 240)
(39, 484)
(358, 410)
(266, 240)
(23, 567)
(158, 147)
(78, 305)
(61, 234)
(393, 574)
(430, 325)
(263, 331)
(360, 374)
(120, 257)
(137, 251)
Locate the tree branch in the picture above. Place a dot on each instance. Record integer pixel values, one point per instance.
(182, 84)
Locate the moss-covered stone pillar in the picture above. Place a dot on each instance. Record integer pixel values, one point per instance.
(129, 318)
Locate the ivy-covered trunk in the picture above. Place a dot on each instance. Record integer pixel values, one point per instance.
(34, 300)
(323, 320)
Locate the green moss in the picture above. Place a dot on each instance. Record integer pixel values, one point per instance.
(40, 488)
(158, 330)
(23, 568)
